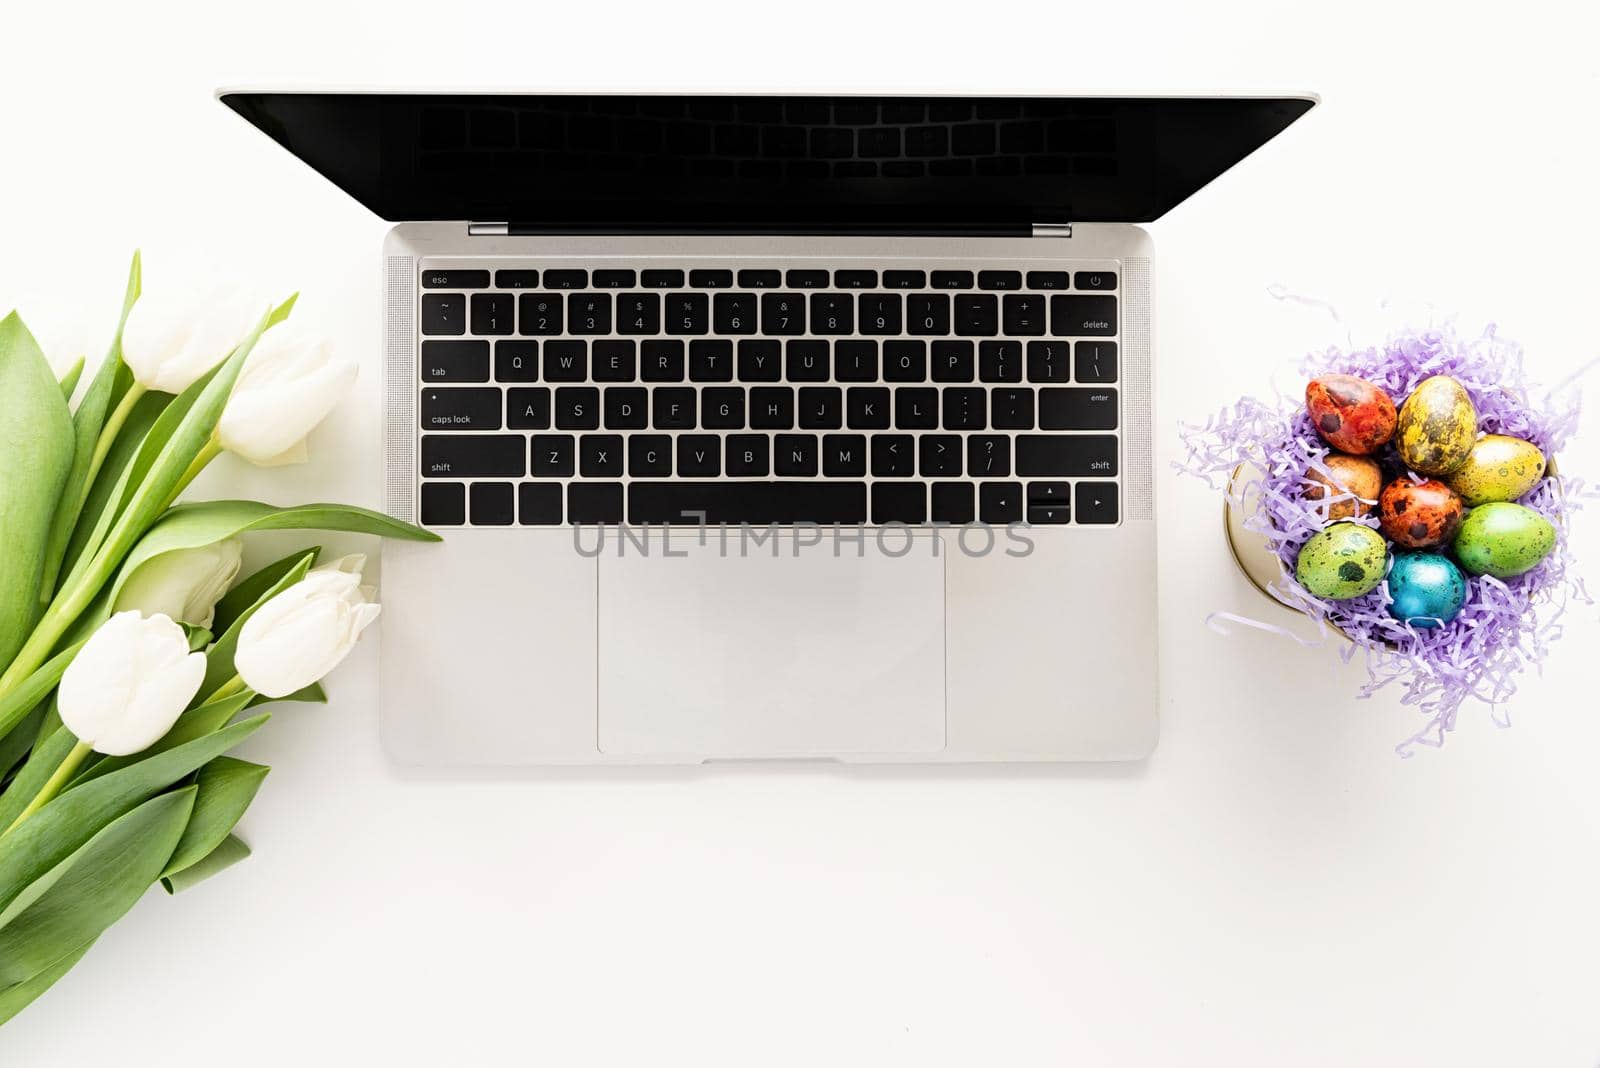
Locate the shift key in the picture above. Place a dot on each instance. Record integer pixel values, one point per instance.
(1069, 455)
(474, 455)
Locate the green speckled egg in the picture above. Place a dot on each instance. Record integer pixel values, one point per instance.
(1499, 468)
(1342, 561)
(1436, 426)
(1503, 539)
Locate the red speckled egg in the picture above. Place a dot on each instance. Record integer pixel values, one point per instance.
(1350, 413)
(1419, 515)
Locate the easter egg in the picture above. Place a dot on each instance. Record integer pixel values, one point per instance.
(1503, 539)
(1350, 413)
(1419, 515)
(1359, 475)
(1499, 468)
(1341, 561)
(1436, 427)
(1428, 589)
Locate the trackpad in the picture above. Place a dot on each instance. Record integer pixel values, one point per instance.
(798, 652)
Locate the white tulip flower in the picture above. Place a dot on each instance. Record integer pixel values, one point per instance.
(289, 384)
(185, 584)
(129, 683)
(169, 344)
(304, 632)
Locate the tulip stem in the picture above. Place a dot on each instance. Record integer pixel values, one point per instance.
(50, 789)
(227, 689)
(108, 433)
(207, 453)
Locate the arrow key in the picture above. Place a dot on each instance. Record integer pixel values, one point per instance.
(1097, 502)
(1000, 502)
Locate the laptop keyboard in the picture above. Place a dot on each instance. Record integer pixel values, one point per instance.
(763, 395)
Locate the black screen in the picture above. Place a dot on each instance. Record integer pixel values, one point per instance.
(767, 163)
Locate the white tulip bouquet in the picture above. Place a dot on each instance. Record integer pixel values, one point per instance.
(132, 655)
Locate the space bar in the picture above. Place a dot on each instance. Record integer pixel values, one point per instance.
(692, 503)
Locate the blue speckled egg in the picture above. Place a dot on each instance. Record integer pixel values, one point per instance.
(1427, 589)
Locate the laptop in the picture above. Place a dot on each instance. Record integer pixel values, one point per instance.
(768, 427)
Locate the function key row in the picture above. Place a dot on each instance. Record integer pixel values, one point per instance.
(796, 278)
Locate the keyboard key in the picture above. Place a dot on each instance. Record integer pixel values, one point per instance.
(1096, 502)
(1078, 409)
(1084, 316)
(722, 408)
(952, 502)
(661, 361)
(1023, 315)
(528, 409)
(1095, 279)
(760, 361)
(988, 456)
(624, 408)
(759, 279)
(445, 278)
(928, 315)
(565, 361)
(893, 456)
(806, 361)
(734, 313)
(794, 455)
(1048, 280)
(514, 361)
(977, 316)
(538, 313)
(589, 313)
(756, 503)
(577, 408)
(999, 279)
(699, 456)
(673, 408)
(639, 313)
(904, 279)
(444, 313)
(952, 279)
(771, 408)
(806, 279)
(444, 504)
(1000, 502)
(965, 408)
(461, 409)
(455, 361)
(711, 279)
(855, 361)
(566, 279)
(900, 502)
(687, 313)
(1000, 361)
(662, 279)
(916, 408)
(821, 408)
(1048, 361)
(613, 361)
(711, 360)
(747, 455)
(539, 504)
(905, 361)
(1094, 361)
(939, 455)
(1011, 409)
(832, 313)
(615, 279)
(866, 408)
(649, 456)
(516, 279)
(953, 361)
(1049, 514)
(844, 455)
(1064, 455)
(594, 502)
(493, 313)
(855, 279)
(783, 313)
(492, 504)
(880, 313)
(474, 456)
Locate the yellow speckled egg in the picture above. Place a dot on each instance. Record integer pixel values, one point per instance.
(1499, 468)
(1437, 426)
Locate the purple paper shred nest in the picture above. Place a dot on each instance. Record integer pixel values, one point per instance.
(1504, 626)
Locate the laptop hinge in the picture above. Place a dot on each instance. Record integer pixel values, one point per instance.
(697, 228)
(488, 229)
(1052, 229)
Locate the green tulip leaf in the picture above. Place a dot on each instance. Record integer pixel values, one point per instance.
(14, 999)
(35, 456)
(53, 745)
(247, 593)
(53, 833)
(219, 658)
(69, 381)
(92, 888)
(93, 517)
(33, 689)
(227, 786)
(194, 723)
(14, 746)
(313, 694)
(230, 852)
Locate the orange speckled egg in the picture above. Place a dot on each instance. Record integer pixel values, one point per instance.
(1350, 413)
(1419, 515)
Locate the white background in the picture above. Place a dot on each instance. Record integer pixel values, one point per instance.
(1273, 887)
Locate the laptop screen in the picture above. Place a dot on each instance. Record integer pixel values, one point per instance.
(767, 164)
